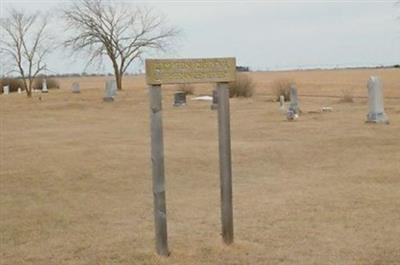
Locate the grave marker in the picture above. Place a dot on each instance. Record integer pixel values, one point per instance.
(110, 90)
(293, 109)
(76, 87)
(44, 86)
(376, 112)
(159, 72)
(294, 100)
(282, 101)
(6, 90)
(179, 99)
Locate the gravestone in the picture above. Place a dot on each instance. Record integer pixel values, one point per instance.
(111, 90)
(19, 90)
(293, 110)
(376, 112)
(214, 104)
(179, 99)
(44, 86)
(76, 87)
(282, 101)
(294, 100)
(6, 90)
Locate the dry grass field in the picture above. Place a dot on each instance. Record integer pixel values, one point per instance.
(76, 184)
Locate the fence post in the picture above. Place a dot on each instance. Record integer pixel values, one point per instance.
(225, 166)
(157, 161)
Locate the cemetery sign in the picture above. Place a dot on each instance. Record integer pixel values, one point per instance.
(178, 71)
(172, 71)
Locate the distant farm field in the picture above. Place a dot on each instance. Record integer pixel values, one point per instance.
(76, 184)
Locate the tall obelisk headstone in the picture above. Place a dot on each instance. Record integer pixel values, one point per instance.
(376, 112)
(293, 109)
(44, 86)
(282, 101)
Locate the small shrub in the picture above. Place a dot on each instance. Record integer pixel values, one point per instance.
(347, 95)
(51, 83)
(281, 87)
(242, 87)
(14, 84)
(187, 88)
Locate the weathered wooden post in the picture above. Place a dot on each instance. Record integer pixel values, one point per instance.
(225, 167)
(157, 162)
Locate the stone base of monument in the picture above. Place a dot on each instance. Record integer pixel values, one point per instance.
(45, 91)
(291, 115)
(377, 118)
(105, 99)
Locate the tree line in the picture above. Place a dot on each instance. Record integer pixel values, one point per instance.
(97, 30)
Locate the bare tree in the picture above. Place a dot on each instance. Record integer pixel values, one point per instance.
(121, 32)
(25, 43)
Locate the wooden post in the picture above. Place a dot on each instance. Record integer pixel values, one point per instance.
(157, 161)
(225, 167)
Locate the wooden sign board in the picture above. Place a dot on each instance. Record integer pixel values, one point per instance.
(180, 71)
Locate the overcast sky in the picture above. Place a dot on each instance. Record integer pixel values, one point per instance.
(268, 35)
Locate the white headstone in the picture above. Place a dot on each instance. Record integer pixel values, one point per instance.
(44, 86)
(19, 90)
(282, 101)
(6, 90)
(76, 87)
(376, 112)
(111, 90)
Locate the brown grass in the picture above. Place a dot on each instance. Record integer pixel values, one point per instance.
(51, 83)
(14, 84)
(281, 87)
(243, 86)
(187, 88)
(347, 95)
(76, 185)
